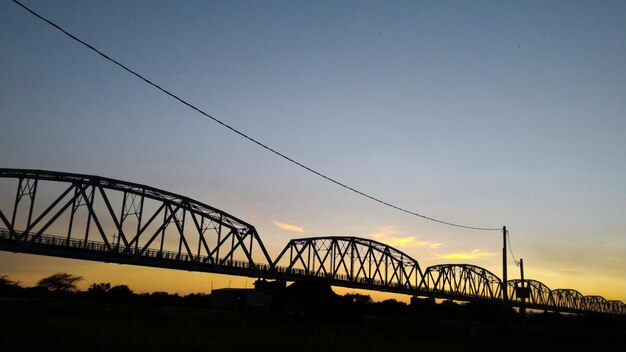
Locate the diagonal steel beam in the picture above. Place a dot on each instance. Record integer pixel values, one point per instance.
(95, 216)
(118, 225)
(47, 210)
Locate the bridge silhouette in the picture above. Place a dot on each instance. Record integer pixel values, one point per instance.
(101, 219)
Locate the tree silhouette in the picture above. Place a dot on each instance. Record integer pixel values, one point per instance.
(99, 289)
(358, 298)
(60, 282)
(120, 292)
(8, 286)
(5, 282)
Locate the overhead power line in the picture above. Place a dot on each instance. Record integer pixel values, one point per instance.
(511, 249)
(232, 129)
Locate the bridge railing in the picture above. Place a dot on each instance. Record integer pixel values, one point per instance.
(97, 246)
(335, 277)
(115, 251)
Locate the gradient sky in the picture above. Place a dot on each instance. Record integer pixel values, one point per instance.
(481, 113)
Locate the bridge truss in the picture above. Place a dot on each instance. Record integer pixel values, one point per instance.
(536, 294)
(352, 262)
(116, 221)
(463, 281)
(102, 219)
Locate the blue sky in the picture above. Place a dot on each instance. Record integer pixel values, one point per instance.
(481, 113)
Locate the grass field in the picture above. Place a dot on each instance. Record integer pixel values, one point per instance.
(45, 325)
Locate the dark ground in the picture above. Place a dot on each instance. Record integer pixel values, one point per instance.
(50, 325)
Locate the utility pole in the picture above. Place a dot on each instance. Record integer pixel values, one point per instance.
(525, 291)
(505, 298)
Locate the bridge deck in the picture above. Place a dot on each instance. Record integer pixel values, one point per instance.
(108, 219)
(58, 246)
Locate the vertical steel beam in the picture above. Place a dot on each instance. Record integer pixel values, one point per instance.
(232, 245)
(200, 234)
(123, 211)
(250, 249)
(219, 240)
(72, 212)
(139, 219)
(88, 214)
(163, 227)
(180, 238)
(386, 267)
(333, 242)
(308, 268)
(32, 190)
(16, 204)
(24, 188)
(352, 245)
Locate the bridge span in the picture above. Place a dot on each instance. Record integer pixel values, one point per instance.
(102, 219)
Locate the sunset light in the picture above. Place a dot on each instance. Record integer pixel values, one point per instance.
(410, 161)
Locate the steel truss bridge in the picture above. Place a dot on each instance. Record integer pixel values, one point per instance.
(101, 219)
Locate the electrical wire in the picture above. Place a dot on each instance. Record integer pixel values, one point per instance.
(508, 238)
(234, 130)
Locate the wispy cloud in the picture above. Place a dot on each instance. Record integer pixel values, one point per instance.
(288, 227)
(476, 253)
(391, 236)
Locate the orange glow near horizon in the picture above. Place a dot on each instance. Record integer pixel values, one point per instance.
(28, 269)
(476, 253)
